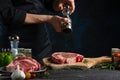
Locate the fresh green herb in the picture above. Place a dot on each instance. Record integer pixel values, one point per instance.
(43, 74)
(110, 66)
(85, 61)
(46, 74)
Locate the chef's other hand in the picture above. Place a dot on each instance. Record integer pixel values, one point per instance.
(59, 4)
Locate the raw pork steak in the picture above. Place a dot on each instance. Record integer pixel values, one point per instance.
(26, 64)
(66, 57)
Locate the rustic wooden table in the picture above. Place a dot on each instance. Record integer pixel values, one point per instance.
(89, 74)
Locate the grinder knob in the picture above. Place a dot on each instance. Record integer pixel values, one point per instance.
(14, 38)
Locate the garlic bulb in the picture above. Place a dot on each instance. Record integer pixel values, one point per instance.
(18, 74)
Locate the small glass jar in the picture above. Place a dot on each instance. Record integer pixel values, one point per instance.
(28, 52)
(116, 57)
(116, 54)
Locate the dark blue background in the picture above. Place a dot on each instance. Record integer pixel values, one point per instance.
(96, 29)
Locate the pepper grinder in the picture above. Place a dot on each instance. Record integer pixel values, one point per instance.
(14, 41)
(67, 27)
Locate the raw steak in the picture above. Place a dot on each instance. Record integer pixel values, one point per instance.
(26, 64)
(66, 58)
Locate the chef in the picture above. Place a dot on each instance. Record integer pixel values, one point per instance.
(16, 14)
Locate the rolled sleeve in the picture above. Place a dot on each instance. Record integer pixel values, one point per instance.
(13, 16)
(18, 17)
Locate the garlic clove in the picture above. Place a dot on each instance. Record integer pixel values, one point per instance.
(18, 74)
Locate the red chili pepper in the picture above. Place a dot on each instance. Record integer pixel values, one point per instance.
(78, 59)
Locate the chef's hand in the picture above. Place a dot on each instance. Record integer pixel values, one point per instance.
(59, 4)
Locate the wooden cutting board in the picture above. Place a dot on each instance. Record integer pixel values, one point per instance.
(87, 63)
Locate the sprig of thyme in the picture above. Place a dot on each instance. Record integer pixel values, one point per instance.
(110, 66)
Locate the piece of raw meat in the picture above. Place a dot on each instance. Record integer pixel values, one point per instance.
(66, 57)
(26, 64)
